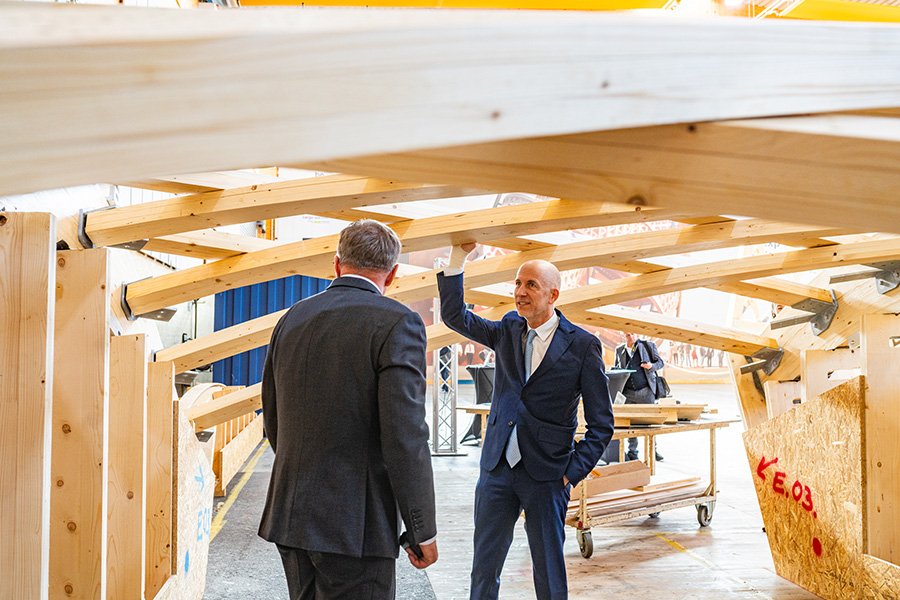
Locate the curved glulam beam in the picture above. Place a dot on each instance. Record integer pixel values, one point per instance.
(418, 286)
(834, 170)
(315, 257)
(612, 250)
(703, 275)
(225, 408)
(253, 203)
(207, 245)
(639, 321)
(313, 85)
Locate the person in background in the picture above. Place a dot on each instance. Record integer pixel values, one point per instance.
(529, 458)
(343, 395)
(643, 358)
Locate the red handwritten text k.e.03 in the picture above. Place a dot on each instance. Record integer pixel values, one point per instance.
(798, 491)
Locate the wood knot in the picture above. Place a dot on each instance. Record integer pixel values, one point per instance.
(3, 220)
(66, 428)
(60, 483)
(61, 261)
(71, 526)
(129, 495)
(69, 589)
(637, 200)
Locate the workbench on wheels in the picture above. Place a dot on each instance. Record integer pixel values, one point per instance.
(594, 503)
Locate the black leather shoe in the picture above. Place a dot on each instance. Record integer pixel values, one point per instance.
(659, 457)
(631, 456)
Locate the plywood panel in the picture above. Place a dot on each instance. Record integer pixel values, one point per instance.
(806, 466)
(160, 439)
(881, 343)
(27, 306)
(194, 484)
(78, 506)
(127, 462)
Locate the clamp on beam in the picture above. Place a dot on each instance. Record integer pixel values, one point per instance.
(886, 275)
(819, 314)
(162, 314)
(767, 359)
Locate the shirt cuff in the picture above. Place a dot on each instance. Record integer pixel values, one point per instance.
(457, 262)
(426, 542)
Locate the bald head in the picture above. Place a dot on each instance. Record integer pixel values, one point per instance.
(537, 290)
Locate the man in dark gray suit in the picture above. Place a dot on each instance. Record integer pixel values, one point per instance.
(642, 357)
(343, 396)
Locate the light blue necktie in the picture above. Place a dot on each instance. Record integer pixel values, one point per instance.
(513, 455)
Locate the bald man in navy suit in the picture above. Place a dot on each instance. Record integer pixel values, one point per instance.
(529, 458)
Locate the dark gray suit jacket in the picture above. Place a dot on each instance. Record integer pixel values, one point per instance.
(343, 396)
(649, 354)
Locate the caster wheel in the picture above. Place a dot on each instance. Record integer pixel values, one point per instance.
(704, 514)
(653, 515)
(585, 543)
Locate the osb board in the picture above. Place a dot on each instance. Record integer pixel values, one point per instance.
(807, 467)
(881, 579)
(194, 494)
(236, 452)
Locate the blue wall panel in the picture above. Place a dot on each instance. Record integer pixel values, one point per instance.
(249, 302)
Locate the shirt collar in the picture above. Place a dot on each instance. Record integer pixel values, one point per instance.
(544, 331)
(374, 285)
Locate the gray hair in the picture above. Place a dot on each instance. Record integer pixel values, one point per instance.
(368, 245)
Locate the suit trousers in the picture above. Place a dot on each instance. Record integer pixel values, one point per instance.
(326, 576)
(642, 396)
(500, 496)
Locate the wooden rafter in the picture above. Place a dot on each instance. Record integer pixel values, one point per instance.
(254, 203)
(315, 257)
(56, 88)
(208, 244)
(420, 284)
(835, 170)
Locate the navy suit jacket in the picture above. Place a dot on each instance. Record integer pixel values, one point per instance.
(545, 408)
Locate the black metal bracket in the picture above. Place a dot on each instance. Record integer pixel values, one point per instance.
(819, 314)
(766, 359)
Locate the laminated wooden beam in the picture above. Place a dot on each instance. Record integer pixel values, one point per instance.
(253, 203)
(27, 306)
(829, 172)
(421, 285)
(702, 275)
(881, 347)
(775, 290)
(612, 250)
(160, 559)
(208, 244)
(630, 319)
(86, 116)
(229, 406)
(315, 257)
(126, 535)
(78, 502)
(196, 183)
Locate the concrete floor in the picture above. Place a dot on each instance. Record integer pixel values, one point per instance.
(667, 557)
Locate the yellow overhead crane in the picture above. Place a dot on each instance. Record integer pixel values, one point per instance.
(819, 10)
